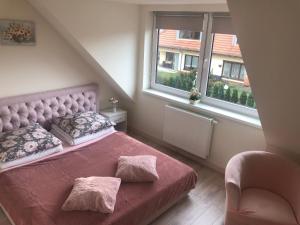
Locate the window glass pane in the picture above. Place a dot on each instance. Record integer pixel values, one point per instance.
(186, 34)
(195, 62)
(191, 62)
(226, 69)
(188, 61)
(177, 60)
(243, 72)
(228, 79)
(235, 70)
(196, 35)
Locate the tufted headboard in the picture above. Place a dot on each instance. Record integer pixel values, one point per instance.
(41, 107)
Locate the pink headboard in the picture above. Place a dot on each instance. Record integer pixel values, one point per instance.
(41, 107)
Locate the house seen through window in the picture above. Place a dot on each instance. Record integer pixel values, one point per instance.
(181, 64)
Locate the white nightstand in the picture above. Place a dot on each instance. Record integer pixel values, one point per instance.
(119, 117)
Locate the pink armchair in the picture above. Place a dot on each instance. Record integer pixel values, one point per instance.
(262, 189)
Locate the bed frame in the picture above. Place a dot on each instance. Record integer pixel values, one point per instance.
(19, 111)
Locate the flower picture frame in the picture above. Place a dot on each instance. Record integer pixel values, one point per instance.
(17, 32)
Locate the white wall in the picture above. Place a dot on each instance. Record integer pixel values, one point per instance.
(50, 64)
(269, 42)
(105, 33)
(147, 113)
(109, 32)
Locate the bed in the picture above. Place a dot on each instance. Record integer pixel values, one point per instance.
(34, 193)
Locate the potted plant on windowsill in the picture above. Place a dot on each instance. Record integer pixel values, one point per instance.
(194, 96)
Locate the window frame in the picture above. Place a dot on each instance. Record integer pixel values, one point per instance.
(202, 73)
(154, 62)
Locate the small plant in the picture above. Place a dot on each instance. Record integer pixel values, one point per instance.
(195, 94)
(227, 96)
(235, 96)
(243, 98)
(250, 101)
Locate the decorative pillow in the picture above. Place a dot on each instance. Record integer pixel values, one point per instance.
(82, 123)
(26, 144)
(71, 141)
(139, 168)
(94, 194)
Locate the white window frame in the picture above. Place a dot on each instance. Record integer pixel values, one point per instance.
(203, 71)
(171, 90)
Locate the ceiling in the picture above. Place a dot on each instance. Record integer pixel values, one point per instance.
(179, 2)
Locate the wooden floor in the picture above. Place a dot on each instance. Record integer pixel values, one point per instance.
(203, 206)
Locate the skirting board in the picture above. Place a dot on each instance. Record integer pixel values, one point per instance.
(170, 147)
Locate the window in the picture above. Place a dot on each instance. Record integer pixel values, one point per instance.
(191, 62)
(234, 40)
(210, 61)
(169, 61)
(233, 70)
(173, 69)
(187, 34)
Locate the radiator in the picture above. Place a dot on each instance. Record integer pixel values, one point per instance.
(187, 130)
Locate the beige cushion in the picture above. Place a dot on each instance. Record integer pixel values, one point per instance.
(261, 205)
(93, 193)
(139, 168)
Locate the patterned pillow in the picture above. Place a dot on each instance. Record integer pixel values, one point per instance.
(27, 141)
(82, 124)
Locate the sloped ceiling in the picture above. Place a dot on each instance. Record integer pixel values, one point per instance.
(104, 33)
(269, 35)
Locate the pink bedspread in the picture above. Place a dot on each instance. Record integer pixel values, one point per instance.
(33, 194)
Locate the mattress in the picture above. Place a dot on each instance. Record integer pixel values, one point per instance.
(33, 194)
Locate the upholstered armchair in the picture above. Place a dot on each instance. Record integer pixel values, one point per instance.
(262, 189)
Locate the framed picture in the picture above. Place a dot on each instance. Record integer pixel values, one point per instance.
(17, 32)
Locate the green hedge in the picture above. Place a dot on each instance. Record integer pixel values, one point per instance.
(216, 90)
(184, 81)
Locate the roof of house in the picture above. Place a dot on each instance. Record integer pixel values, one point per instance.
(223, 43)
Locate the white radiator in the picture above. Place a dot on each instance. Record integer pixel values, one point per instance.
(188, 131)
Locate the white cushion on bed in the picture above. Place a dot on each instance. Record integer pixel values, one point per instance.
(67, 138)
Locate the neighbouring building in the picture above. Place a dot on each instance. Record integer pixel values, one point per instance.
(179, 51)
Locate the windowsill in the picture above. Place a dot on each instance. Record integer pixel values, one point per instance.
(201, 107)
